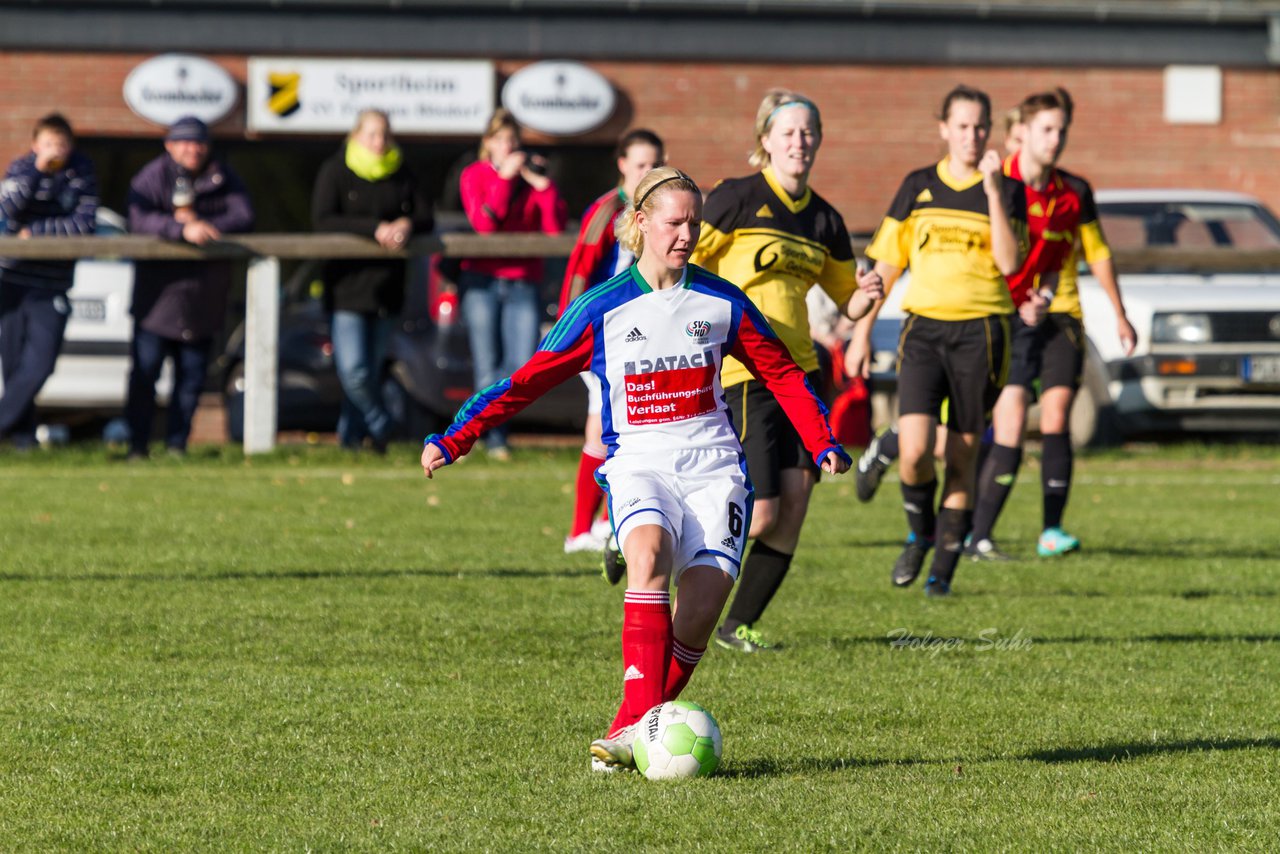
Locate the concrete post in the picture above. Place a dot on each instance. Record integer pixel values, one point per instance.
(261, 354)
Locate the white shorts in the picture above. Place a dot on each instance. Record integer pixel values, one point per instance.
(700, 497)
(594, 401)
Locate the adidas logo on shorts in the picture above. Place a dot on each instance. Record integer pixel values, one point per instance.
(728, 543)
(635, 335)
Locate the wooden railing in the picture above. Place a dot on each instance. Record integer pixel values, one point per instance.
(265, 251)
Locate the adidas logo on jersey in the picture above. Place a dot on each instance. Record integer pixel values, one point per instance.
(635, 335)
(925, 196)
(633, 672)
(764, 212)
(1036, 209)
(729, 543)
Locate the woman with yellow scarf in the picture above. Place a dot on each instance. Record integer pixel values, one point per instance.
(366, 189)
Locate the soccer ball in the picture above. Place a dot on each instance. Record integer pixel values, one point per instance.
(677, 739)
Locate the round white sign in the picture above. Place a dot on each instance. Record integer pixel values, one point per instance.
(559, 98)
(165, 88)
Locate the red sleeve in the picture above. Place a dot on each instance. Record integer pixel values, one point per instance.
(767, 358)
(486, 197)
(489, 407)
(595, 238)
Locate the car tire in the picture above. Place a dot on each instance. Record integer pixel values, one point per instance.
(233, 404)
(1094, 423)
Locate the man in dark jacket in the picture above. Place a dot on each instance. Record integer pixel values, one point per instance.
(178, 306)
(50, 191)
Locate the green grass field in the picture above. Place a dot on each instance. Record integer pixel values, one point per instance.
(309, 651)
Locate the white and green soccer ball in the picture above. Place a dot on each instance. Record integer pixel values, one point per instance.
(677, 739)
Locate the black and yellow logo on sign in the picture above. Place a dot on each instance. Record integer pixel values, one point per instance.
(283, 100)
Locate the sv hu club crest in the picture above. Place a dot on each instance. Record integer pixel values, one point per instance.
(698, 329)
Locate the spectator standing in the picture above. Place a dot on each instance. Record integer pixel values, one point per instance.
(51, 190)
(178, 306)
(505, 191)
(367, 189)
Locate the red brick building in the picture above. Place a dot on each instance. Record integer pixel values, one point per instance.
(694, 71)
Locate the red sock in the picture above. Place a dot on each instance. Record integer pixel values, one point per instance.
(589, 497)
(646, 649)
(683, 660)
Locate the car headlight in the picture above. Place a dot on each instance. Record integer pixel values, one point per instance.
(1181, 328)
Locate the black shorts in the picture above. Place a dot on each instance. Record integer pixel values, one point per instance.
(770, 442)
(1052, 352)
(963, 361)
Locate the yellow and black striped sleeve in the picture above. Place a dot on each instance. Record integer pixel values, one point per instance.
(839, 276)
(892, 240)
(1092, 240)
(720, 215)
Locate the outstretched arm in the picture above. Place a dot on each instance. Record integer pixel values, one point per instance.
(757, 347)
(491, 406)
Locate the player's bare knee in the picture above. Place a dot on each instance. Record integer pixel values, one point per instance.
(764, 518)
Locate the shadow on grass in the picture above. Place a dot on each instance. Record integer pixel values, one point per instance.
(1132, 593)
(302, 575)
(1124, 752)
(768, 767)
(765, 767)
(1183, 550)
(945, 644)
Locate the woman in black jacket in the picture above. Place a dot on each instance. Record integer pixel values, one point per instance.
(366, 189)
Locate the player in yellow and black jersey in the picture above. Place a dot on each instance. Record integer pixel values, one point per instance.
(960, 226)
(774, 237)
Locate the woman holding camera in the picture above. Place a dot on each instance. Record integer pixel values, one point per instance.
(505, 191)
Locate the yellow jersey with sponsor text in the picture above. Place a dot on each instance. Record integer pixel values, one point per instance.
(776, 248)
(940, 229)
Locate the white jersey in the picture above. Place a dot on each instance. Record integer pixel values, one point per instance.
(658, 356)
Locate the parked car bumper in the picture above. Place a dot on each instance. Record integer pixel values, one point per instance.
(1211, 391)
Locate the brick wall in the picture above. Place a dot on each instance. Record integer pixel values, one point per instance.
(878, 120)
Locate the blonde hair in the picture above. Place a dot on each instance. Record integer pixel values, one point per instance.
(370, 113)
(500, 120)
(1012, 117)
(654, 185)
(774, 100)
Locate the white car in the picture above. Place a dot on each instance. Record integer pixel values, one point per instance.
(1208, 354)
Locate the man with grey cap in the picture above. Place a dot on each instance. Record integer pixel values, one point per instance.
(178, 306)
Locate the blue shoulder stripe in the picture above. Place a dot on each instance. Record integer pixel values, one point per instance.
(569, 327)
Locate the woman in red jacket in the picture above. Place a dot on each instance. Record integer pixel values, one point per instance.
(506, 190)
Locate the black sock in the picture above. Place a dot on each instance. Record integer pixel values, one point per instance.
(953, 526)
(889, 444)
(761, 576)
(1055, 476)
(984, 450)
(918, 502)
(995, 481)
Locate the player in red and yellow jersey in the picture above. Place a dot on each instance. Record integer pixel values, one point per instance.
(1063, 223)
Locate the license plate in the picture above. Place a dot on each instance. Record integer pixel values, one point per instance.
(1261, 369)
(92, 310)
